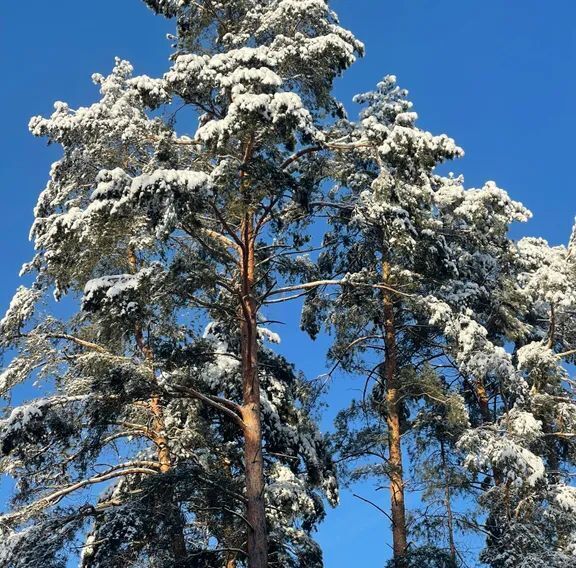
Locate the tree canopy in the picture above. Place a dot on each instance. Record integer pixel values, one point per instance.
(181, 209)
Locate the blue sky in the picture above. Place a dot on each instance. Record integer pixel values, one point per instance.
(498, 76)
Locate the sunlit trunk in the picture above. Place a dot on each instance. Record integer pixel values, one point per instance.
(257, 542)
(393, 416)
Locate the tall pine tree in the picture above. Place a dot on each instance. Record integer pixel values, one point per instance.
(157, 236)
(434, 254)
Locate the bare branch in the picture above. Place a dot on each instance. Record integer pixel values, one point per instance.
(287, 298)
(121, 470)
(300, 154)
(319, 283)
(77, 341)
(226, 226)
(227, 407)
(228, 243)
(373, 505)
(566, 353)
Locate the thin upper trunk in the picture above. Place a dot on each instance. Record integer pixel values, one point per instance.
(448, 505)
(158, 432)
(393, 415)
(257, 542)
(483, 401)
(487, 417)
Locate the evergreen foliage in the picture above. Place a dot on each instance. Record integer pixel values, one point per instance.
(168, 430)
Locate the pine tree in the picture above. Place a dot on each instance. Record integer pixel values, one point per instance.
(530, 441)
(440, 255)
(159, 236)
(167, 430)
(381, 239)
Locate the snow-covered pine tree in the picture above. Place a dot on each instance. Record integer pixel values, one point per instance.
(428, 245)
(509, 329)
(475, 319)
(173, 244)
(104, 389)
(508, 326)
(440, 420)
(158, 235)
(530, 440)
(383, 235)
(261, 75)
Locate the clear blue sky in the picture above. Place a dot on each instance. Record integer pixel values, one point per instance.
(497, 76)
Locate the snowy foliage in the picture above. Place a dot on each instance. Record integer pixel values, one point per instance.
(137, 223)
(170, 246)
(19, 312)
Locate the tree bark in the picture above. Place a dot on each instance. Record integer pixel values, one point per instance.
(178, 541)
(483, 401)
(393, 414)
(448, 505)
(486, 415)
(257, 542)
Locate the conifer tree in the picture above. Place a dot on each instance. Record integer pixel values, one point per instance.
(424, 238)
(529, 442)
(382, 209)
(167, 430)
(159, 235)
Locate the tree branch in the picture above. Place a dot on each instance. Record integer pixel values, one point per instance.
(373, 505)
(300, 154)
(121, 470)
(566, 353)
(227, 407)
(78, 341)
(226, 226)
(228, 243)
(318, 283)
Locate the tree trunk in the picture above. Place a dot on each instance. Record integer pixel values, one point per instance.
(257, 548)
(393, 413)
(487, 417)
(483, 401)
(178, 541)
(448, 505)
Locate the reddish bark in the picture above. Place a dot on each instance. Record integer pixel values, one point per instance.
(158, 430)
(257, 542)
(393, 415)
